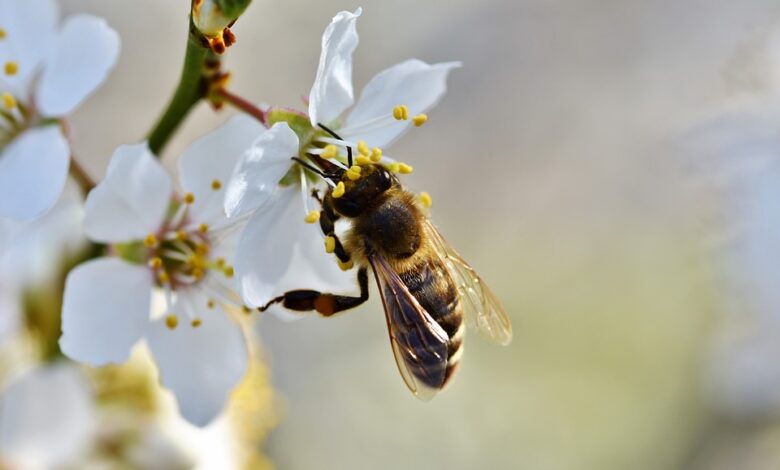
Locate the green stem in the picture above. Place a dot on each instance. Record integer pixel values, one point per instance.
(193, 86)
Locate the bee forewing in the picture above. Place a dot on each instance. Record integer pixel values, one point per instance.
(481, 307)
(419, 343)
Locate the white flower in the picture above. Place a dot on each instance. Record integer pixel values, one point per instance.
(275, 239)
(47, 71)
(184, 249)
(47, 418)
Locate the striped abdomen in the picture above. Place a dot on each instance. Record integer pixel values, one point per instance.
(431, 284)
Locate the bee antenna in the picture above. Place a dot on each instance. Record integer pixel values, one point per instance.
(311, 167)
(333, 134)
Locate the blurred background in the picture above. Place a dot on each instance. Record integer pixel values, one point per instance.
(583, 161)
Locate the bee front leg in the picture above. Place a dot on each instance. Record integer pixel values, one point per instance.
(325, 304)
(328, 220)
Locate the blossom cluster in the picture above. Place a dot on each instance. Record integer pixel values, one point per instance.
(181, 268)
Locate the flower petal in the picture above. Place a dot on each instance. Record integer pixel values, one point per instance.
(332, 91)
(266, 246)
(105, 310)
(30, 28)
(213, 157)
(413, 83)
(131, 201)
(46, 417)
(33, 169)
(200, 365)
(259, 170)
(85, 51)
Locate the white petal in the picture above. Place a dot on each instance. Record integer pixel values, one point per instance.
(105, 310)
(33, 170)
(200, 365)
(30, 28)
(412, 83)
(86, 50)
(131, 201)
(266, 246)
(46, 418)
(214, 157)
(259, 170)
(332, 91)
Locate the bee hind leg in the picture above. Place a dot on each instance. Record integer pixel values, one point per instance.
(326, 304)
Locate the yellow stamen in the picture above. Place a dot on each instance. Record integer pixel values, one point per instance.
(216, 185)
(346, 266)
(189, 198)
(362, 160)
(155, 263)
(171, 321)
(201, 249)
(220, 262)
(246, 310)
(329, 151)
(363, 148)
(3, 34)
(9, 102)
(203, 228)
(401, 112)
(330, 244)
(338, 191)
(181, 235)
(229, 271)
(426, 200)
(353, 173)
(394, 167)
(11, 68)
(211, 303)
(419, 120)
(150, 241)
(376, 154)
(198, 273)
(404, 168)
(195, 322)
(312, 216)
(163, 277)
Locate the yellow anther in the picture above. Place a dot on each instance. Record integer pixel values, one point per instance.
(376, 154)
(181, 235)
(163, 277)
(211, 303)
(150, 241)
(353, 173)
(9, 102)
(220, 262)
(198, 273)
(171, 321)
(338, 191)
(330, 244)
(246, 310)
(425, 199)
(362, 160)
(363, 148)
(216, 185)
(195, 322)
(404, 168)
(419, 120)
(229, 271)
(346, 266)
(330, 151)
(401, 112)
(3, 34)
(312, 216)
(155, 263)
(11, 68)
(394, 167)
(189, 198)
(203, 228)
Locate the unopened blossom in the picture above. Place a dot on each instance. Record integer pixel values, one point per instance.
(392, 102)
(180, 246)
(46, 71)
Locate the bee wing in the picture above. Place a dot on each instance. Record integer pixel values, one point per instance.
(419, 343)
(481, 307)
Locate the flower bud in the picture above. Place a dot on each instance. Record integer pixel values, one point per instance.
(211, 17)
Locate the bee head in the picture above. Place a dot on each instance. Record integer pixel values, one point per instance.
(364, 187)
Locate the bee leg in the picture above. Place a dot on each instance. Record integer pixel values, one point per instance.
(328, 219)
(325, 304)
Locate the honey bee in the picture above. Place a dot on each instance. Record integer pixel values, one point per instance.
(426, 287)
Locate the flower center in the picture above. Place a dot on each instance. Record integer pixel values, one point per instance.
(14, 117)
